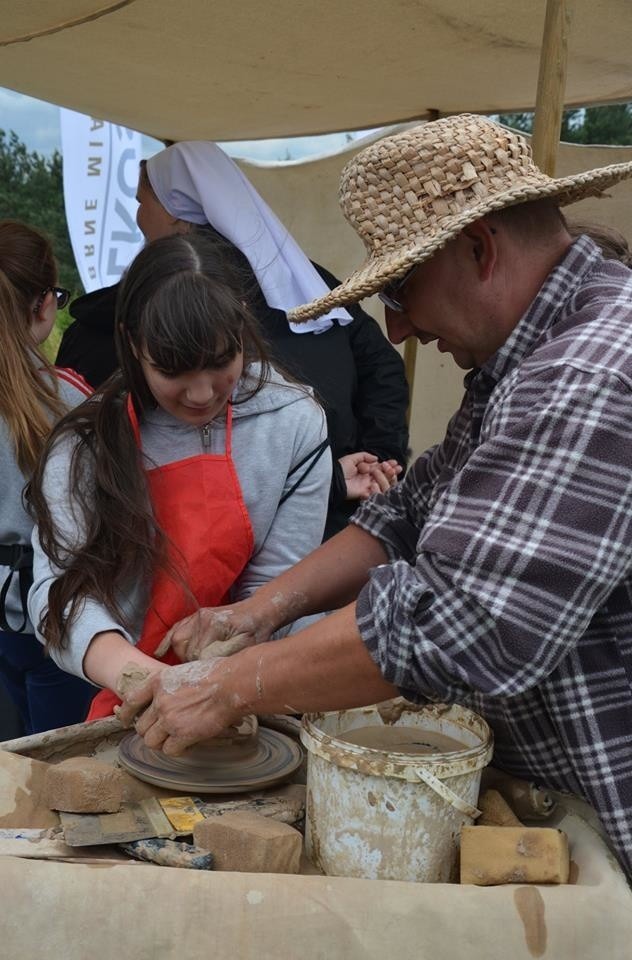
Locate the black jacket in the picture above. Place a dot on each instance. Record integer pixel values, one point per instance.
(356, 374)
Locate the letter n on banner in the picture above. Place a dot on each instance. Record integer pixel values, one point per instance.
(100, 163)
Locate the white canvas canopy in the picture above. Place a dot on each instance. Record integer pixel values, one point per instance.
(227, 70)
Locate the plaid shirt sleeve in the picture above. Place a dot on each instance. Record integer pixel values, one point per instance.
(517, 598)
(517, 552)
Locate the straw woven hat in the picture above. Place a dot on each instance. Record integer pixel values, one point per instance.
(408, 195)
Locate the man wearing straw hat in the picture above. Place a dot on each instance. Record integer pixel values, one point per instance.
(499, 573)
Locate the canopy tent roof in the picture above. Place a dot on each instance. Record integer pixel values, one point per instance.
(246, 69)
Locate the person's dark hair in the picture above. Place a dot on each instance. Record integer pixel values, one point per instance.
(612, 244)
(177, 305)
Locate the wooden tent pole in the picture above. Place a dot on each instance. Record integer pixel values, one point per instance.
(549, 104)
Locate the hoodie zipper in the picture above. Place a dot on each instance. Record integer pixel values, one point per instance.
(206, 436)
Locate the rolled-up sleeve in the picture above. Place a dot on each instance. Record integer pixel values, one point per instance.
(519, 550)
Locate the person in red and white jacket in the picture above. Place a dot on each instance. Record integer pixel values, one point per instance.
(34, 396)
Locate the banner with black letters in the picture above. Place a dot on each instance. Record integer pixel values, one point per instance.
(100, 172)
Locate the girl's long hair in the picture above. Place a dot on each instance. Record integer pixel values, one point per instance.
(29, 401)
(178, 305)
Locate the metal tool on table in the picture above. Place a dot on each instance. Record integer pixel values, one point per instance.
(169, 853)
(148, 830)
(144, 831)
(134, 821)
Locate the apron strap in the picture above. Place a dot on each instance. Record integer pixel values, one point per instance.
(133, 419)
(311, 460)
(19, 558)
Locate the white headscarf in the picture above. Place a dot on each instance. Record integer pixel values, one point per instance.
(197, 182)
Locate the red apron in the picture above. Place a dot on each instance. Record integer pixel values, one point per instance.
(199, 505)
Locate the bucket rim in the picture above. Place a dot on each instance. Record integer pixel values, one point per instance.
(400, 765)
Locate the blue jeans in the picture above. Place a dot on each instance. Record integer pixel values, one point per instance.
(45, 696)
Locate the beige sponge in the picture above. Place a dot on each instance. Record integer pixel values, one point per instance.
(495, 811)
(491, 855)
(250, 843)
(84, 785)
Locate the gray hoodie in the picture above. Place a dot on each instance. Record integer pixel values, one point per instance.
(15, 523)
(272, 433)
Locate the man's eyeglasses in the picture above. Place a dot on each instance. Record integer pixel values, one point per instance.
(61, 294)
(389, 295)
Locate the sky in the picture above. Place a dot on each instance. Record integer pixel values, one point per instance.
(37, 125)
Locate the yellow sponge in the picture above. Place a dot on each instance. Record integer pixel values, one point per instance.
(491, 855)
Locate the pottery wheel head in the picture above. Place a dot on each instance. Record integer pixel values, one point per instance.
(227, 766)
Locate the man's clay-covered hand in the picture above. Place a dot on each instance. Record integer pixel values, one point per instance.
(235, 625)
(185, 704)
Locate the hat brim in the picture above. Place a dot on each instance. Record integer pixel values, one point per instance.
(377, 271)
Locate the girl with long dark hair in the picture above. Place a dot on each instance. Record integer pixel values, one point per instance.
(357, 375)
(195, 474)
(33, 396)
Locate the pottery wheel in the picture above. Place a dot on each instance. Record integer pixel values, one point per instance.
(261, 762)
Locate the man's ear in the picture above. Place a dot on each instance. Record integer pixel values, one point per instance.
(483, 247)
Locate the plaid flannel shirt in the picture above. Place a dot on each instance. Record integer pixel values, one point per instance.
(509, 586)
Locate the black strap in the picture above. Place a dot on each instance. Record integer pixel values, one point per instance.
(19, 558)
(314, 456)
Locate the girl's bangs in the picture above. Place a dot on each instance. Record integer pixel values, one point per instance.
(193, 336)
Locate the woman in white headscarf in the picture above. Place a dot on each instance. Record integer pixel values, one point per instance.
(357, 375)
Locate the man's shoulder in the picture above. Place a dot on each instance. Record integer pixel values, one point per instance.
(595, 326)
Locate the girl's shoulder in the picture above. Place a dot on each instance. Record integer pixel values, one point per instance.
(252, 397)
(72, 386)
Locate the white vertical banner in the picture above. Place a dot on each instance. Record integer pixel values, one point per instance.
(100, 164)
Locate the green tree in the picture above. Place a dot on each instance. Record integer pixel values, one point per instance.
(608, 125)
(31, 190)
(612, 125)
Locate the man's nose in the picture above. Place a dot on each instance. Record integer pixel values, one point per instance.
(398, 326)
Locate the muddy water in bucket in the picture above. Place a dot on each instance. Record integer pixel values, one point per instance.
(389, 787)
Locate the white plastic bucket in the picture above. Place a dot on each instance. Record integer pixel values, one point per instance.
(391, 816)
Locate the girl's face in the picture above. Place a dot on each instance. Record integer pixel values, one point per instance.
(195, 397)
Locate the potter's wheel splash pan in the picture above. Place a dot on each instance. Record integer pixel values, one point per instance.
(205, 770)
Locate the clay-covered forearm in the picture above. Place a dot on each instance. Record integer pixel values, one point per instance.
(327, 579)
(108, 654)
(324, 667)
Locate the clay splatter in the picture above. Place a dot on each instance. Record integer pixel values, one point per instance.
(187, 674)
(530, 907)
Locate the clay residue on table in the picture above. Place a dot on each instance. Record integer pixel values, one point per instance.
(22, 795)
(530, 907)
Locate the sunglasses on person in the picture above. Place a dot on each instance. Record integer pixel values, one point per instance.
(389, 295)
(61, 295)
